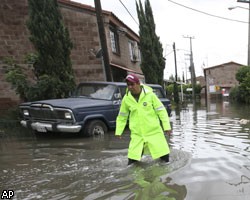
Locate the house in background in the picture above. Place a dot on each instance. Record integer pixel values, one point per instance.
(80, 19)
(220, 79)
(199, 80)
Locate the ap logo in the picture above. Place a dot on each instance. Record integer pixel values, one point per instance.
(7, 194)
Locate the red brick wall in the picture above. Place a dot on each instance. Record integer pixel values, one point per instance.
(14, 42)
(82, 25)
(223, 75)
(84, 35)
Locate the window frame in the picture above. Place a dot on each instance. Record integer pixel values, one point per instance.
(134, 51)
(114, 40)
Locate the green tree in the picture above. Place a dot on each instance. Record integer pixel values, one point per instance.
(235, 94)
(197, 88)
(51, 63)
(153, 62)
(170, 90)
(243, 76)
(171, 78)
(242, 73)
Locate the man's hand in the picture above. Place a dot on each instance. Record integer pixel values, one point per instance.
(168, 132)
(118, 136)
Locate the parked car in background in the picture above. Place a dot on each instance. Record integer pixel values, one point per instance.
(92, 109)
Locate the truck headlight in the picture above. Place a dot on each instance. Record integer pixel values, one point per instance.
(67, 115)
(26, 112)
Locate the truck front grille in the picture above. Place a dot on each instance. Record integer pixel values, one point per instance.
(42, 112)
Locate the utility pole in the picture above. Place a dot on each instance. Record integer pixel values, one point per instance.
(176, 95)
(102, 35)
(248, 50)
(175, 62)
(192, 70)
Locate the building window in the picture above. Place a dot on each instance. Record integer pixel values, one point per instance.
(114, 41)
(134, 51)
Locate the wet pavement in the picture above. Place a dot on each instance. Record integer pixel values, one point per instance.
(210, 160)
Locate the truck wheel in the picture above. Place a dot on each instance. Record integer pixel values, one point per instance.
(95, 127)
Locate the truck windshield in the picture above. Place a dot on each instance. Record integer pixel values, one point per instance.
(158, 92)
(100, 91)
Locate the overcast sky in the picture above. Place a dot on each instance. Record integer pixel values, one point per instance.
(220, 35)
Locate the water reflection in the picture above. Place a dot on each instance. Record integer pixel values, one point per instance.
(210, 159)
(219, 144)
(146, 180)
(59, 168)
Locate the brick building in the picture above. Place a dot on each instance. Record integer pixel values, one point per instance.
(199, 80)
(80, 19)
(220, 79)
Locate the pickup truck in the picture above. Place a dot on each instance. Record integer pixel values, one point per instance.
(91, 110)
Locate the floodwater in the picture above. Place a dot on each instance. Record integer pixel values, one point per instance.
(210, 160)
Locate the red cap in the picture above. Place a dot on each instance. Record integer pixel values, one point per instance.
(132, 78)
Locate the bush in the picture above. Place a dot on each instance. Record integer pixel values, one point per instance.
(234, 94)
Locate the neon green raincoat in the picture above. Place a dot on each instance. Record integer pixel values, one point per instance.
(144, 124)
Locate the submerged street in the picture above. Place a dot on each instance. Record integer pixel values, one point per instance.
(209, 160)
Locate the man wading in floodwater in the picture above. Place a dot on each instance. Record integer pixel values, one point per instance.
(148, 120)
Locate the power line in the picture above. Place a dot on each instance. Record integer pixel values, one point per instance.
(129, 12)
(205, 13)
